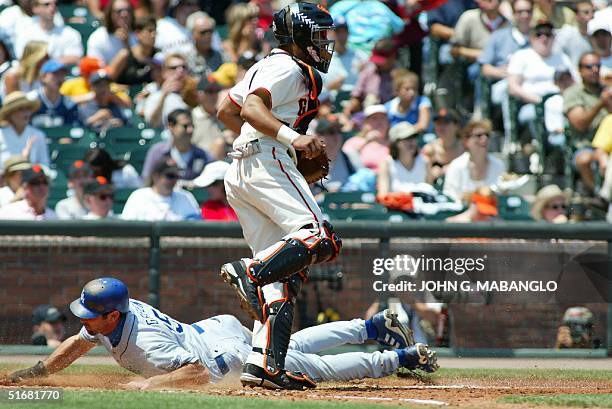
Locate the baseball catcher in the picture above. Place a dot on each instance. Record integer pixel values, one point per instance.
(169, 353)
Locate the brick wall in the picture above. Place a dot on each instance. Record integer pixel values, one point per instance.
(53, 270)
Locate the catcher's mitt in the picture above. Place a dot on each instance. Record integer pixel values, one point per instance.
(313, 169)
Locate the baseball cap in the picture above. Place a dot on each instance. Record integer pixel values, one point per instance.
(597, 24)
(97, 185)
(47, 313)
(212, 172)
(165, 165)
(208, 84)
(52, 66)
(100, 75)
(402, 130)
(340, 22)
(78, 166)
(16, 163)
(88, 65)
(382, 51)
(34, 172)
(374, 109)
(447, 115)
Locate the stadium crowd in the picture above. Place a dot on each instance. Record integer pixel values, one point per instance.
(458, 109)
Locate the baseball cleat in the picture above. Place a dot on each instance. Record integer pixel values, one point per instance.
(391, 332)
(255, 376)
(235, 275)
(419, 356)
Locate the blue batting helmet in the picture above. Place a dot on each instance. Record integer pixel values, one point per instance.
(101, 296)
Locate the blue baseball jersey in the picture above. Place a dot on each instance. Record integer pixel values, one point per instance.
(150, 343)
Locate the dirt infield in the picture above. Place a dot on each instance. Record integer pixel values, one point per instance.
(453, 391)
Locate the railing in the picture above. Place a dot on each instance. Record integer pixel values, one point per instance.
(367, 229)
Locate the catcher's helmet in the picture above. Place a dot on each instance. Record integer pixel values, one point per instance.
(101, 296)
(306, 26)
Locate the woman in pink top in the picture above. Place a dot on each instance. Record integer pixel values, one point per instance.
(371, 145)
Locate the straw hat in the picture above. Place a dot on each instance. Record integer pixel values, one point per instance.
(544, 196)
(17, 100)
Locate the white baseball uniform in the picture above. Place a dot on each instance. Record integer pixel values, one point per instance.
(151, 343)
(270, 196)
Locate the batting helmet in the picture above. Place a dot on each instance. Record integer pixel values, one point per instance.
(306, 25)
(101, 296)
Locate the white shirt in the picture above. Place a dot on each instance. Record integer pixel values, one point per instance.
(20, 210)
(105, 46)
(152, 343)
(537, 72)
(70, 209)
(146, 205)
(171, 37)
(6, 195)
(402, 179)
(172, 102)
(458, 180)
(64, 41)
(13, 19)
(13, 144)
(126, 177)
(283, 78)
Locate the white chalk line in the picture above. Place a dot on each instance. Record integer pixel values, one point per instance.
(374, 398)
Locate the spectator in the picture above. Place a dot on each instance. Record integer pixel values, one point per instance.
(586, 104)
(369, 22)
(16, 136)
(24, 76)
(189, 158)
(404, 167)
(172, 37)
(501, 45)
(531, 70)
(576, 331)
(476, 167)
(207, 58)
(548, 10)
(340, 166)
(408, 105)
(14, 18)
(177, 91)
(133, 65)
(115, 35)
(375, 81)
(98, 199)
(64, 42)
(55, 108)
(446, 147)
(344, 68)
(103, 110)
(550, 205)
(470, 36)
(13, 167)
(207, 129)
(80, 89)
(482, 207)
(74, 207)
(161, 201)
(242, 20)
(120, 173)
(216, 207)
(48, 326)
(371, 143)
(572, 40)
(601, 40)
(33, 206)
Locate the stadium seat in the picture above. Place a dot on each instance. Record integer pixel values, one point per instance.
(122, 140)
(57, 191)
(200, 194)
(75, 14)
(64, 155)
(120, 197)
(137, 157)
(85, 30)
(512, 207)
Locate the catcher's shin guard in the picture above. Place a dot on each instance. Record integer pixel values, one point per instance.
(280, 320)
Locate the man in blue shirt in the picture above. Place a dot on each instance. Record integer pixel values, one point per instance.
(55, 108)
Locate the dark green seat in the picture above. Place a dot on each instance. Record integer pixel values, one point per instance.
(64, 155)
(122, 140)
(137, 157)
(200, 194)
(57, 191)
(85, 30)
(119, 198)
(512, 207)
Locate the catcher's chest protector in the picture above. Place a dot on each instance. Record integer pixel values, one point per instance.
(310, 106)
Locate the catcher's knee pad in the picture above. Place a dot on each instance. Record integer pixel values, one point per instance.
(280, 321)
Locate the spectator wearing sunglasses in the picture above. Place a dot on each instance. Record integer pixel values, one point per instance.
(34, 204)
(550, 205)
(99, 199)
(74, 206)
(207, 59)
(161, 200)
